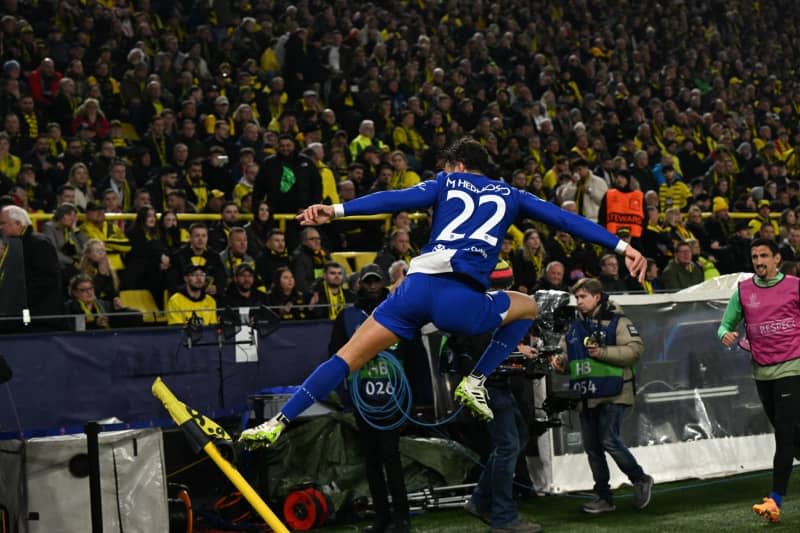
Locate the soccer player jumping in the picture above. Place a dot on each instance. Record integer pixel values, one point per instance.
(447, 282)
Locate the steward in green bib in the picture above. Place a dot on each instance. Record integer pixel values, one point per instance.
(602, 347)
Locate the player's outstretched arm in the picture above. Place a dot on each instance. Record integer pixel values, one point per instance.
(585, 229)
(420, 196)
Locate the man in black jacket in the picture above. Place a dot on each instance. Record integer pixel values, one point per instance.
(274, 257)
(398, 248)
(289, 181)
(196, 252)
(42, 274)
(735, 256)
(309, 259)
(242, 292)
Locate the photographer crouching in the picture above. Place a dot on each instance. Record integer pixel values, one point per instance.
(602, 346)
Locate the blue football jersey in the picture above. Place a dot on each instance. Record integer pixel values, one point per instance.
(471, 215)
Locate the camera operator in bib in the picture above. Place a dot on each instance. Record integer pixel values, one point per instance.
(602, 346)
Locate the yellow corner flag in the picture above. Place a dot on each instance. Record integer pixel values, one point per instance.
(202, 432)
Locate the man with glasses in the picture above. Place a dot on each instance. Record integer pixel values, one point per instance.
(84, 302)
(309, 259)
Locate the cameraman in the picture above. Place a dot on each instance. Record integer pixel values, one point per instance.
(602, 345)
(493, 498)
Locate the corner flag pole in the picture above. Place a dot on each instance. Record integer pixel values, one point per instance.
(201, 431)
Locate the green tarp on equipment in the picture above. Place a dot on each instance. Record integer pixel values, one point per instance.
(325, 450)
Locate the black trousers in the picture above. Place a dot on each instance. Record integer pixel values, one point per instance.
(781, 401)
(381, 451)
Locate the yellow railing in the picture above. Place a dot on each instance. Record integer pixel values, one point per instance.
(281, 218)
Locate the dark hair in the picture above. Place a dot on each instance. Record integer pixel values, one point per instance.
(196, 225)
(276, 280)
(64, 187)
(332, 264)
(470, 153)
(171, 236)
(141, 219)
(769, 243)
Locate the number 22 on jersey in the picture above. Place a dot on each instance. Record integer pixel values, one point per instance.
(462, 223)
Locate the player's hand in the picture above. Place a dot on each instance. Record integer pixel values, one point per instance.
(636, 263)
(730, 338)
(316, 214)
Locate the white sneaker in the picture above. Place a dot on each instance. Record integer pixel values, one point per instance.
(473, 395)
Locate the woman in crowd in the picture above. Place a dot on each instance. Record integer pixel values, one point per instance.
(403, 177)
(284, 296)
(673, 225)
(79, 178)
(243, 114)
(258, 230)
(528, 261)
(418, 234)
(95, 263)
(83, 301)
(89, 117)
(147, 261)
(788, 219)
(171, 234)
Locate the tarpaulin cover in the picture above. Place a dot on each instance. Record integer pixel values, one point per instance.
(45, 487)
(326, 450)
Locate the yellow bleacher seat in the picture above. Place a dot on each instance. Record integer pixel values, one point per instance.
(362, 259)
(143, 301)
(353, 261)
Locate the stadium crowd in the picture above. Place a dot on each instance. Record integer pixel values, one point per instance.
(656, 120)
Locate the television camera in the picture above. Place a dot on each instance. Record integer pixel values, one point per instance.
(552, 323)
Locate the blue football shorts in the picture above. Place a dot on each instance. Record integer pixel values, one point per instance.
(454, 305)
